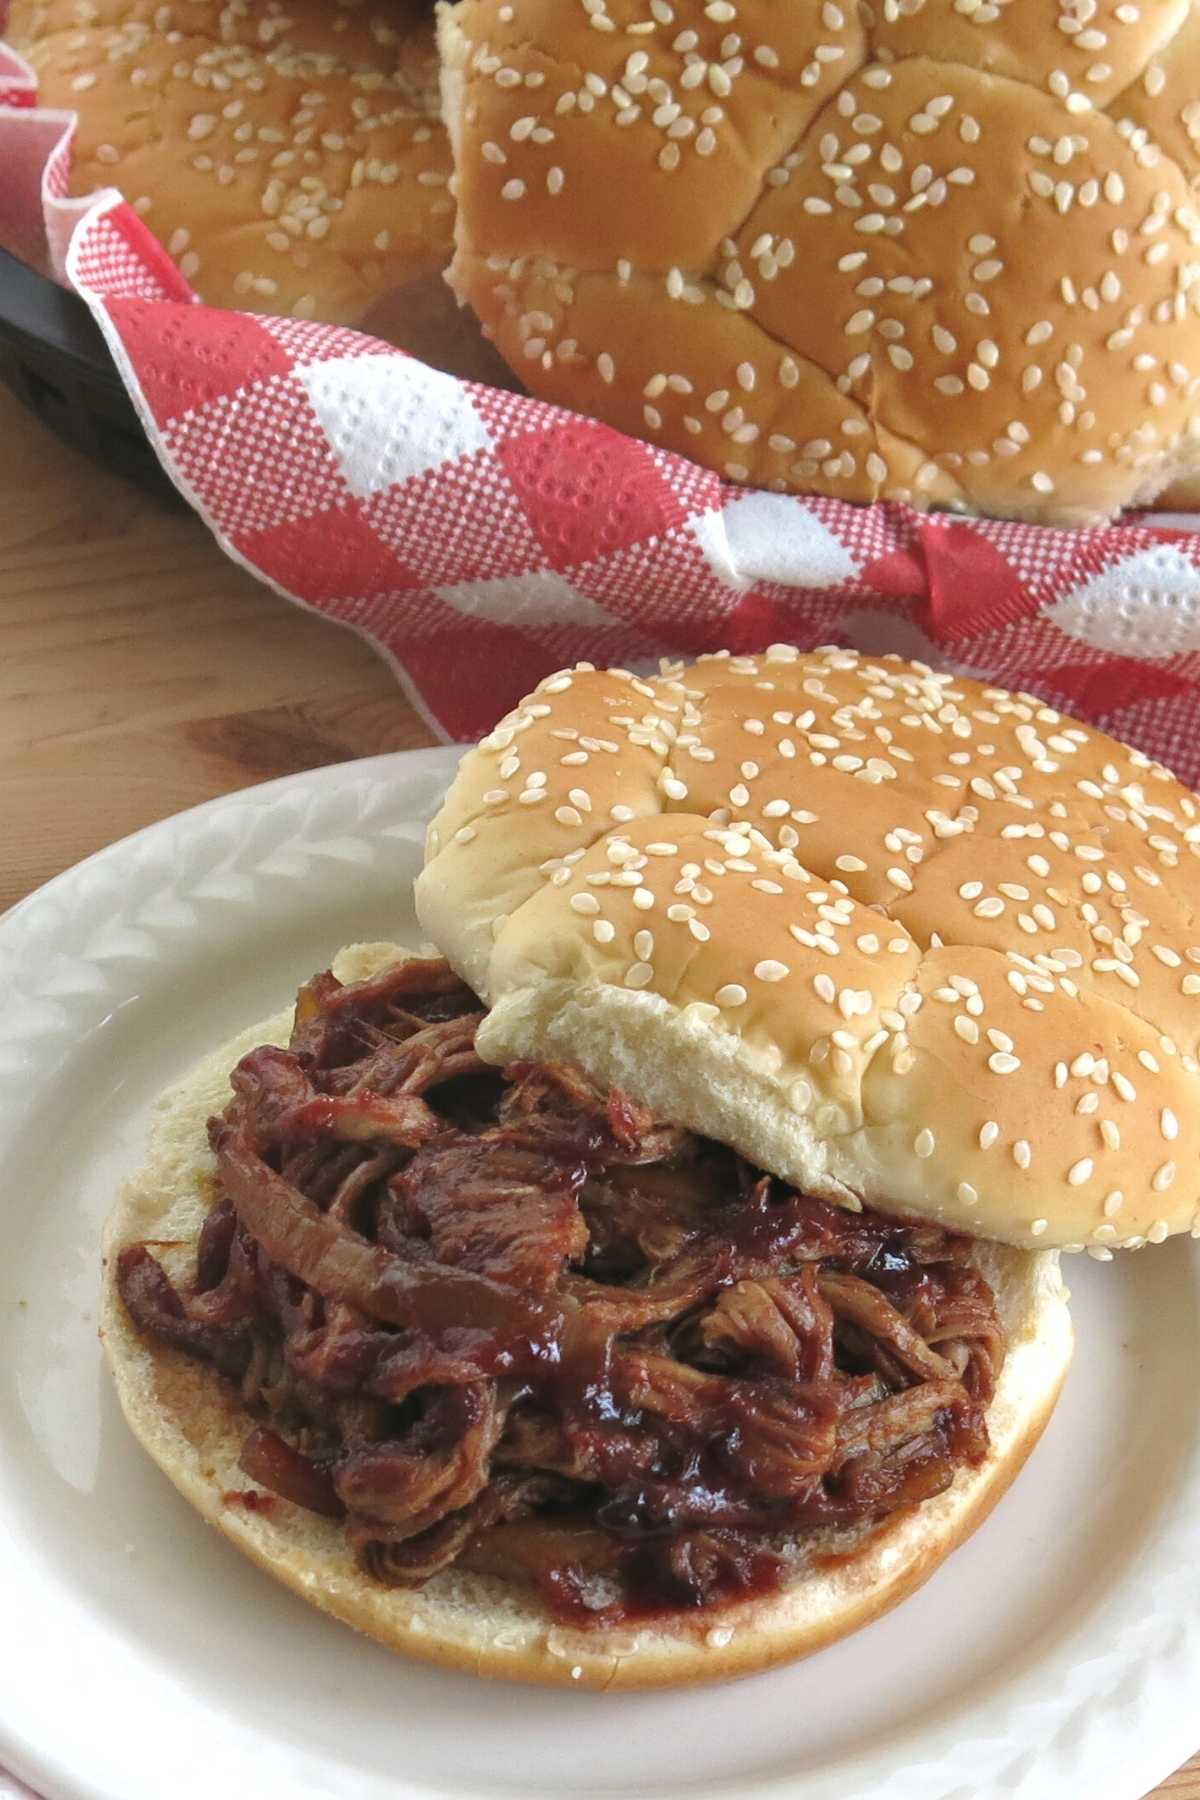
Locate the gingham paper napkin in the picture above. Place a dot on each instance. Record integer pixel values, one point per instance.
(481, 539)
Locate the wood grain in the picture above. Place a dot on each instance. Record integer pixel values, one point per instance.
(141, 672)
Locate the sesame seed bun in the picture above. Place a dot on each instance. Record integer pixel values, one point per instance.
(192, 1424)
(897, 937)
(291, 158)
(940, 253)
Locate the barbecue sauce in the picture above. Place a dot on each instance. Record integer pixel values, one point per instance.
(639, 1468)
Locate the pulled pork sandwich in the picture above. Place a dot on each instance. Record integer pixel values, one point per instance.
(662, 1284)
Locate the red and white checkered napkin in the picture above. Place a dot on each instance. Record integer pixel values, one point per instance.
(481, 539)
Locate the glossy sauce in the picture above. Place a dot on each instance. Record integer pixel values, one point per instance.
(657, 1465)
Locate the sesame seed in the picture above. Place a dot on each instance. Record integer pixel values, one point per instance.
(1080, 1171)
(988, 1133)
(584, 903)
(1002, 1062)
(967, 1195)
(771, 970)
(1038, 1227)
(732, 994)
(923, 1143)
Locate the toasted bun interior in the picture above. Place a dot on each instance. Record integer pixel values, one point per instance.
(192, 1424)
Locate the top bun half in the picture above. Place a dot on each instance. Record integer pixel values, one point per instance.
(897, 937)
(939, 251)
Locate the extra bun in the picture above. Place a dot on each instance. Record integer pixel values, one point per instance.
(933, 252)
(190, 1421)
(290, 157)
(897, 937)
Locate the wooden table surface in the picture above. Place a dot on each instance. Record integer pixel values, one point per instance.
(141, 672)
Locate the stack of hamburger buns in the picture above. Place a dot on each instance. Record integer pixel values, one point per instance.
(933, 252)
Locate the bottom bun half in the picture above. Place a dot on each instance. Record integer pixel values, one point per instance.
(193, 1424)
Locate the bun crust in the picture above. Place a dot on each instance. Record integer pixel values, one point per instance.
(897, 937)
(290, 157)
(190, 1422)
(921, 252)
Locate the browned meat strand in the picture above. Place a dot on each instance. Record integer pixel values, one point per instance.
(495, 1207)
(522, 1324)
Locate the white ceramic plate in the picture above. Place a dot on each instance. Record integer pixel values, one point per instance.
(1056, 1655)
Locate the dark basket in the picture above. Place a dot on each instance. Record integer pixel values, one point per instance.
(54, 359)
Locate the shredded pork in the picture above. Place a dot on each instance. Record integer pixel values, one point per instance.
(508, 1320)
